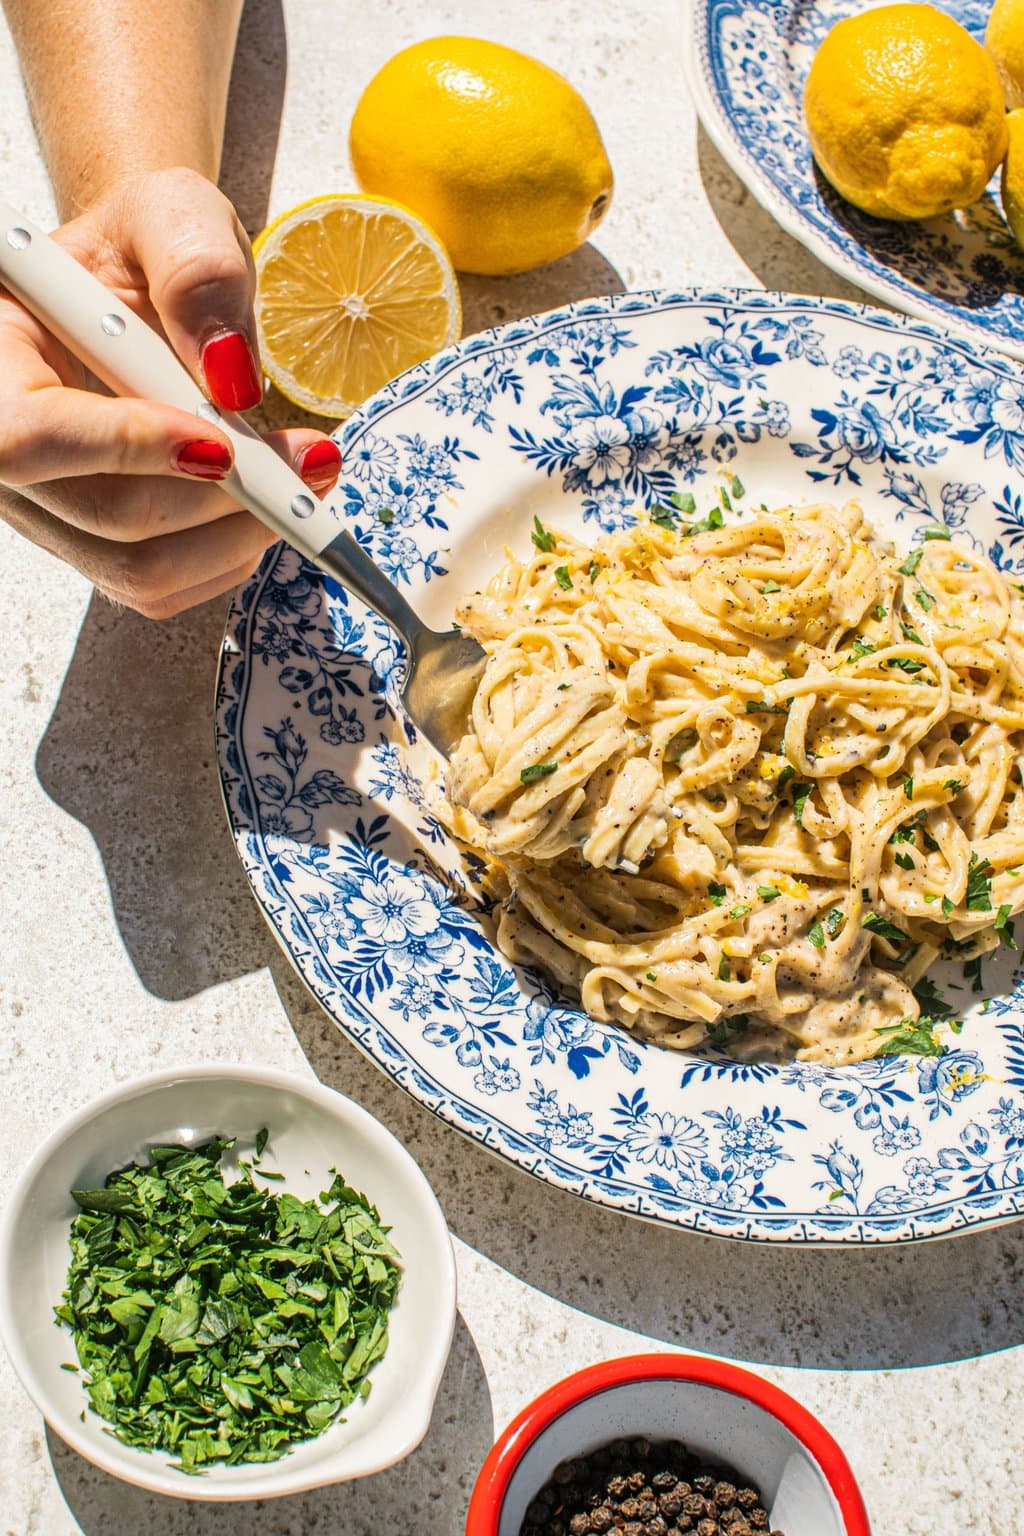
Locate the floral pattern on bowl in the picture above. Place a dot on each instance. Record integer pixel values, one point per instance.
(579, 417)
(749, 60)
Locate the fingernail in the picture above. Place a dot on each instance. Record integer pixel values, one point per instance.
(204, 458)
(319, 465)
(230, 372)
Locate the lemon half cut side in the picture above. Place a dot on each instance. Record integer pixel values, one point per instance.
(350, 291)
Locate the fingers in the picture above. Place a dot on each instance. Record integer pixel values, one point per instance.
(53, 432)
(154, 575)
(186, 237)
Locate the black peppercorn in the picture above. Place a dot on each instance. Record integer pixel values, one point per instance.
(601, 1520)
(746, 1498)
(704, 1485)
(664, 1480)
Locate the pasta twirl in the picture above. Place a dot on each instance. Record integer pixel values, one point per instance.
(756, 775)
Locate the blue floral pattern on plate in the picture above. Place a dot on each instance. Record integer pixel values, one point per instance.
(580, 416)
(748, 65)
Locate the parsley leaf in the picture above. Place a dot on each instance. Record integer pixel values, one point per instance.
(911, 563)
(713, 520)
(762, 707)
(683, 501)
(816, 934)
(536, 771)
(768, 892)
(880, 611)
(540, 536)
(386, 516)
(908, 787)
(784, 777)
(979, 885)
(595, 571)
(663, 517)
(801, 794)
(717, 892)
(770, 586)
(563, 578)
(885, 929)
(910, 1037)
(937, 533)
(905, 861)
(948, 907)
(724, 973)
(737, 487)
(862, 648)
(953, 785)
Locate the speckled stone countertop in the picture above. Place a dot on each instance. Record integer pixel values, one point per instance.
(129, 940)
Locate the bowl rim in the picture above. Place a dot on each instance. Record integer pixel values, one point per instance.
(254, 1480)
(496, 1473)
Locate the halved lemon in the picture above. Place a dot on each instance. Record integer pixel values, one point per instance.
(350, 291)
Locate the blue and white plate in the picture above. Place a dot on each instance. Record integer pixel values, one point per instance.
(579, 417)
(748, 64)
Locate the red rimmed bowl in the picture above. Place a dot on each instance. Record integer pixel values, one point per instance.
(720, 1411)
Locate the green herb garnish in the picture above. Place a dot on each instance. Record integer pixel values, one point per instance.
(663, 518)
(910, 1037)
(713, 520)
(835, 921)
(385, 516)
(762, 707)
(908, 787)
(768, 892)
(816, 934)
(651, 976)
(937, 533)
(953, 785)
(724, 973)
(540, 536)
(905, 861)
(224, 1322)
(770, 586)
(536, 771)
(743, 909)
(784, 777)
(911, 563)
(594, 571)
(948, 907)
(979, 885)
(683, 501)
(885, 929)
(737, 487)
(563, 578)
(862, 648)
(880, 611)
(801, 795)
(717, 893)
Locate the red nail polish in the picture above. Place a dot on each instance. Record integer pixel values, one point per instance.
(230, 372)
(204, 458)
(319, 465)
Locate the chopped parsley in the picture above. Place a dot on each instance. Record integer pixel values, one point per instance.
(683, 501)
(737, 487)
(911, 563)
(930, 999)
(801, 795)
(681, 742)
(663, 517)
(540, 536)
(595, 570)
(908, 787)
(937, 533)
(713, 520)
(563, 578)
(924, 598)
(723, 496)
(724, 973)
(1004, 928)
(835, 922)
(762, 707)
(979, 885)
(948, 907)
(816, 934)
(885, 930)
(911, 634)
(651, 976)
(953, 785)
(905, 663)
(784, 777)
(770, 586)
(386, 516)
(880, 611)
(717, 893)
(862, 648)
(910, 1037)
(743, 909)
(768, 892)
(905, 861)
(536, 771)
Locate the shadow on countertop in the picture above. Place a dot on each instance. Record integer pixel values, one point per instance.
(427, 1492)
(773, 1304)
(780, 262)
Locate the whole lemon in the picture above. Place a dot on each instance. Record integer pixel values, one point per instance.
(1004, 39)
(497, 152)
(905, 112)
(1013, 177)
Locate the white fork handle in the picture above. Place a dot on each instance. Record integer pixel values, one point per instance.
(123, 351)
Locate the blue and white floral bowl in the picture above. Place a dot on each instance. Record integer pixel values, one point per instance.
(579, 417)
(748, 64)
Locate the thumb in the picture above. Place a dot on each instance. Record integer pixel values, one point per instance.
(186, 237)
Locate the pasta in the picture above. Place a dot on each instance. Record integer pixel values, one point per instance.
(747, 779)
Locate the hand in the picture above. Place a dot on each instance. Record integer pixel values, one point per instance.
(125, 490)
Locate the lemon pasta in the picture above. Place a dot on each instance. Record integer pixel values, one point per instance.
(747, 779)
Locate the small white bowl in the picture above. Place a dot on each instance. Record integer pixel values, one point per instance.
(718, 1410)
(311, 1129)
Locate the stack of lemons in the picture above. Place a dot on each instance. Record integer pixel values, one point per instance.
(469, 155)
(907, 113)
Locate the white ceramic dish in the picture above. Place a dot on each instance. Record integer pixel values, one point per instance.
(721, 1412)
(312, 1129)
(580, 417)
